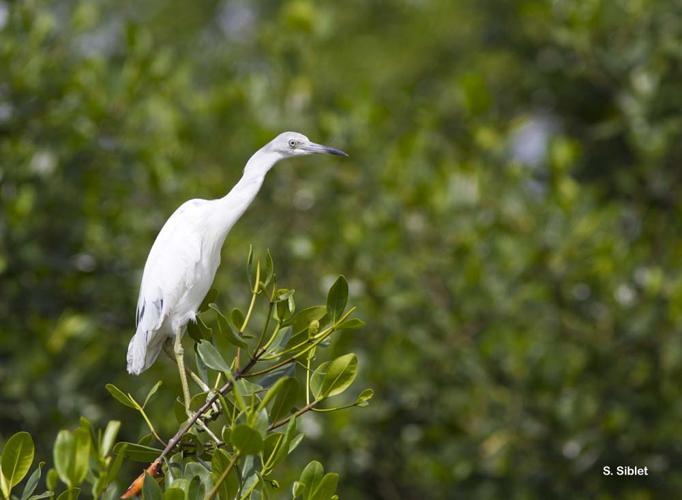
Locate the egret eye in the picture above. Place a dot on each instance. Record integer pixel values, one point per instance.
(292, 143)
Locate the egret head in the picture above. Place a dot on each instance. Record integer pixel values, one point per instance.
(294, 144)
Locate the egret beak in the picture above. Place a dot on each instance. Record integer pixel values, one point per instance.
(319, 148)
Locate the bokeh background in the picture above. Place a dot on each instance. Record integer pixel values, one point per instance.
(510, 221)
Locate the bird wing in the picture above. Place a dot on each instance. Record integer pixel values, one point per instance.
(168, 274)
(169, 269)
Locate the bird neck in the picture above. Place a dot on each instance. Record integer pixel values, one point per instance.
(235, 203)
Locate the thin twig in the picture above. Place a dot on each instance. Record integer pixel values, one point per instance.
(300, 412)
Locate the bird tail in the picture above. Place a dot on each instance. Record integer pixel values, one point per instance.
(143, 350)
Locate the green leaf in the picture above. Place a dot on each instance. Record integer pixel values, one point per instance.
(237, 393)
(64, 449)
(17, 457)
(350, 324)
(150, 488)
(237, 319)
(246, 439)
(198, 331)
(268, 269)
(285, 400)
(293, 444)
(112, 472)
(44, 494)
(72, 455)
(326, 488)
(297, 489)
(120, 396)
(109, 437)
(182, 484)
(311, 477)
(197, 469)
(286, 305)
(174, 493)
(226, 330)
(364, 397)
(272, 446)
(196, 488)
(82, 458)
(151, 392)
(332, 378)
(51, 479)
(272, 392)
(301, 320)
(211, 357)
(284, 294)
(250, 272)
(337, 298)
(32, 482)
(210, 297)
(70, 494)
(137, 452)
(230, 485)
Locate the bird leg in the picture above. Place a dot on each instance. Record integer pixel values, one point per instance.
(202, 385)
(180, 360)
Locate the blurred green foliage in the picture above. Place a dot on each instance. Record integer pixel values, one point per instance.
(510, 220)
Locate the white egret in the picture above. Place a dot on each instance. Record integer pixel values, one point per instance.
(186, 253)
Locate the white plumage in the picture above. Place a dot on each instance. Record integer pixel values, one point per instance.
(186, 253)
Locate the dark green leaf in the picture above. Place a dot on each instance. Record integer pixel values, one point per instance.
(226, 330)
(210, 297)
(271, 447)
(268, 379)
(285, 400)
(337, 298)
(237, 319)
(230, 485)
(268, 269)
(150, 488)
(198, 330)
(246, 439)
(271, 393)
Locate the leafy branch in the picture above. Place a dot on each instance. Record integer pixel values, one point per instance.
(243, 418)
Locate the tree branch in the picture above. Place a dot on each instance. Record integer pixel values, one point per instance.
(155, 468)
